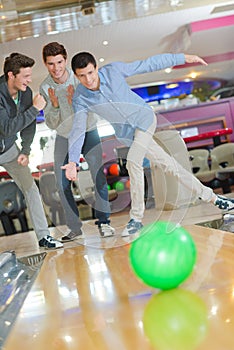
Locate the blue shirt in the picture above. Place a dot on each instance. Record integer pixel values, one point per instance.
(115, 101)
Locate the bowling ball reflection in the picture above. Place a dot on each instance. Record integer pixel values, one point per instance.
(175, 320)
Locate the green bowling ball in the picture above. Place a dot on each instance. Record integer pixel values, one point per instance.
(175, 319)
(118, 186)
(163, 256)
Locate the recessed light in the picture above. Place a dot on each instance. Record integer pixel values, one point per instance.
(105, 42)
(193, 75)
(101, 59)
(53, 32)
(172, 86)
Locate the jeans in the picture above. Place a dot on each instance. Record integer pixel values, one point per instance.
(92, 151)
(24, 180)
(144, 146)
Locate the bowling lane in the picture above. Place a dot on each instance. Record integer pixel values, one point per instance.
(87, 297)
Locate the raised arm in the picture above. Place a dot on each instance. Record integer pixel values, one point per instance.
(155, 63)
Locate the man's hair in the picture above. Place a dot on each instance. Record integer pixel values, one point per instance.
(15, 62)
(81, 60)
(53, 49)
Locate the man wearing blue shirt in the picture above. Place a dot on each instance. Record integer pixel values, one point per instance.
(105, 92)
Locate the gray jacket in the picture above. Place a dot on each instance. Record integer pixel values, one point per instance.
(16, 118)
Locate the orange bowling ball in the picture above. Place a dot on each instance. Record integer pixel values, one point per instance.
(127, 184)
(114, 169)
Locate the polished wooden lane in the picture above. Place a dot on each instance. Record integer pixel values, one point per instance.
(87, 297)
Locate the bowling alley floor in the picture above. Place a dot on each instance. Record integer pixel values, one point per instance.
(86, 296)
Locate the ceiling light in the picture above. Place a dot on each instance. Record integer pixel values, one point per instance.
(53, 32)
(168, 70)
(172, 86)
(193, 75)
(105, 42)
(101, 59)
(176, 3)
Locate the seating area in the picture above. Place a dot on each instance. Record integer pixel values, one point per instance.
(214, 167)
(200, 164)
(12, 208)
(50, 197)
(83, 190)
(223, 157)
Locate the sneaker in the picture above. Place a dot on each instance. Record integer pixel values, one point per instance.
(224, 203)
(132, 228)
(50, 243)
(71, 236)
(106, 230)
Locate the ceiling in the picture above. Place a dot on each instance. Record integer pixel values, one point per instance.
(134, 29)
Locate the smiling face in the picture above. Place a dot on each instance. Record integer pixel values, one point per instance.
(88, 77)
(20, 81)
(56, 66)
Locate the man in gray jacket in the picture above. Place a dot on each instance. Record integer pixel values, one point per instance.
(18, 111)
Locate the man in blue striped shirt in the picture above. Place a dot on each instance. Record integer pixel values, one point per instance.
(105, 92)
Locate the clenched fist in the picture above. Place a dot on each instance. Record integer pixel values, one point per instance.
(39, 102)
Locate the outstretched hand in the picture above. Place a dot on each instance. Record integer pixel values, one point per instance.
(195, 59)
(70, 171)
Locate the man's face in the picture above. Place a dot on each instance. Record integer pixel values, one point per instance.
(21, 80)
(88, 77)
(56, 66)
